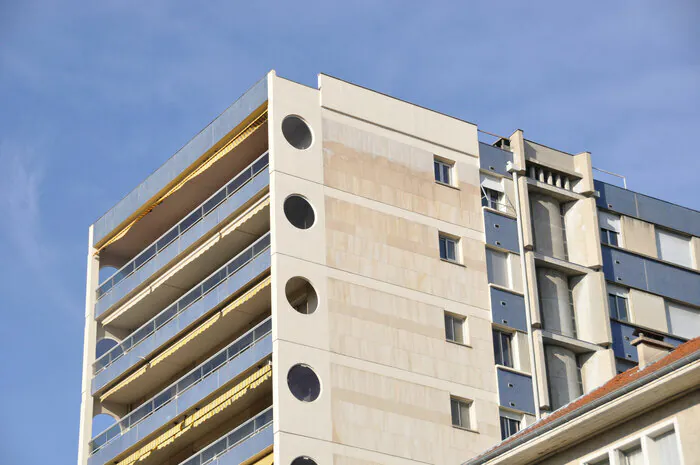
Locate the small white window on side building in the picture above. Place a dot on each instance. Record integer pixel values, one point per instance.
(444, 171)
(674, 248)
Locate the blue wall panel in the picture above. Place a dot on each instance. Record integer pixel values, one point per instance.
(494, 159)
(647, 208)
(622, 336)
(501, 231)
(515, 391)
(623, 268)
(508, 309)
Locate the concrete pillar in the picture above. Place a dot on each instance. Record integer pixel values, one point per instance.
(555, 302)
(562, 376)
(547, 225)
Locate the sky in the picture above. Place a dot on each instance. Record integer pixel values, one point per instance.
(94, 96)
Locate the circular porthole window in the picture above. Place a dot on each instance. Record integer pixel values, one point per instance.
(297, 132)
(301, 295)
(303, 460)
(299, 212)
(303, 383)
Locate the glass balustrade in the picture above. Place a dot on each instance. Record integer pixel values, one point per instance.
(199, 213)
(232, 439)
(210, 366)
(176, 308)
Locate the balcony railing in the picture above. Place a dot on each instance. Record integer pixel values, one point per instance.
(175, 390)
(226, 444)
(199, 214)
(184, 302)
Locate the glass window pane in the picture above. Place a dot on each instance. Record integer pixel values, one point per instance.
(612, 238)
(451, 253)
(443, 248)
(454, 405)
(436, 167)
(458, 330)
(505, 343)
(621, 308)
(612, 303)
(497, 267)
(665, 449)
(464, 415)
(446, 174)
(449, 329)
(497, 354)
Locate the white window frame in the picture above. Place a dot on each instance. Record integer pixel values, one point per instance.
(619, 291)
(457, 246)
(463, 324)
(444, 163)
(520, 418)
(610, 222)
(641, 437)
(470, 412)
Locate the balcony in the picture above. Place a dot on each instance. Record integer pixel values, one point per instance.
(243, 443)
(235, 195)
(228, 280)
(183, 395)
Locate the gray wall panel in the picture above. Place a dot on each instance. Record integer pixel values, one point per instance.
(494, 159)
(501, 231)
(515, 391)
(508, 309)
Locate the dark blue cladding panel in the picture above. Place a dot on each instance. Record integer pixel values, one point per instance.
(673, 282)
(667, 214)
(623, 268)
(622, 336)
(494, 159)
(508, 309)
(515, 391)
(501, 231)
(647, 208)
(615, 198)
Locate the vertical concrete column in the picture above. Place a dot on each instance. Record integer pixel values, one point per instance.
(547, 225)
(90, 336)
(562, 376)
(555, 302)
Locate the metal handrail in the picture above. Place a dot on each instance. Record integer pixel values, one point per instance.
(232, 439)
(204, 287)
(167, 395)
(194, 217)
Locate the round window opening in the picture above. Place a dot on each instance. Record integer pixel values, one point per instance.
(303, 460)
(299, 212)
(301, 295)
(297, 132)
(303, 383)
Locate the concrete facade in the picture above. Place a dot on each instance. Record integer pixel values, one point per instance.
(313, 235)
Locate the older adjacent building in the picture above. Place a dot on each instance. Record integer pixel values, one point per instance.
(332, 275)
(647, 415)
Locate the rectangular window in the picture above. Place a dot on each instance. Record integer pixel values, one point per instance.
(454, 328)
(632, 456)
(609, 228)
(497, 268)
(448, 248)
(509, 426)
(682, 320)
(665, 449)
(460, 412)
(674, 248)
(618, 306)
(502, 348)
(443, 171)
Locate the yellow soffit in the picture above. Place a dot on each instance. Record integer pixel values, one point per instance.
(267, 460)
(200, 416)
(252, 211)
(216, 156)
(192, 335)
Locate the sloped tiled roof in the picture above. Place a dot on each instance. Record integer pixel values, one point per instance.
(615, 384)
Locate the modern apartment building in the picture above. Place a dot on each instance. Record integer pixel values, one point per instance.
(332, 275)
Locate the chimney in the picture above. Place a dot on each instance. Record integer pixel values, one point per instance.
(650, 347)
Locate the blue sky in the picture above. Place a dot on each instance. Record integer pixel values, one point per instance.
(95, 96)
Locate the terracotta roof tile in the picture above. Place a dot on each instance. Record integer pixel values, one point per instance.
(614, 384)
